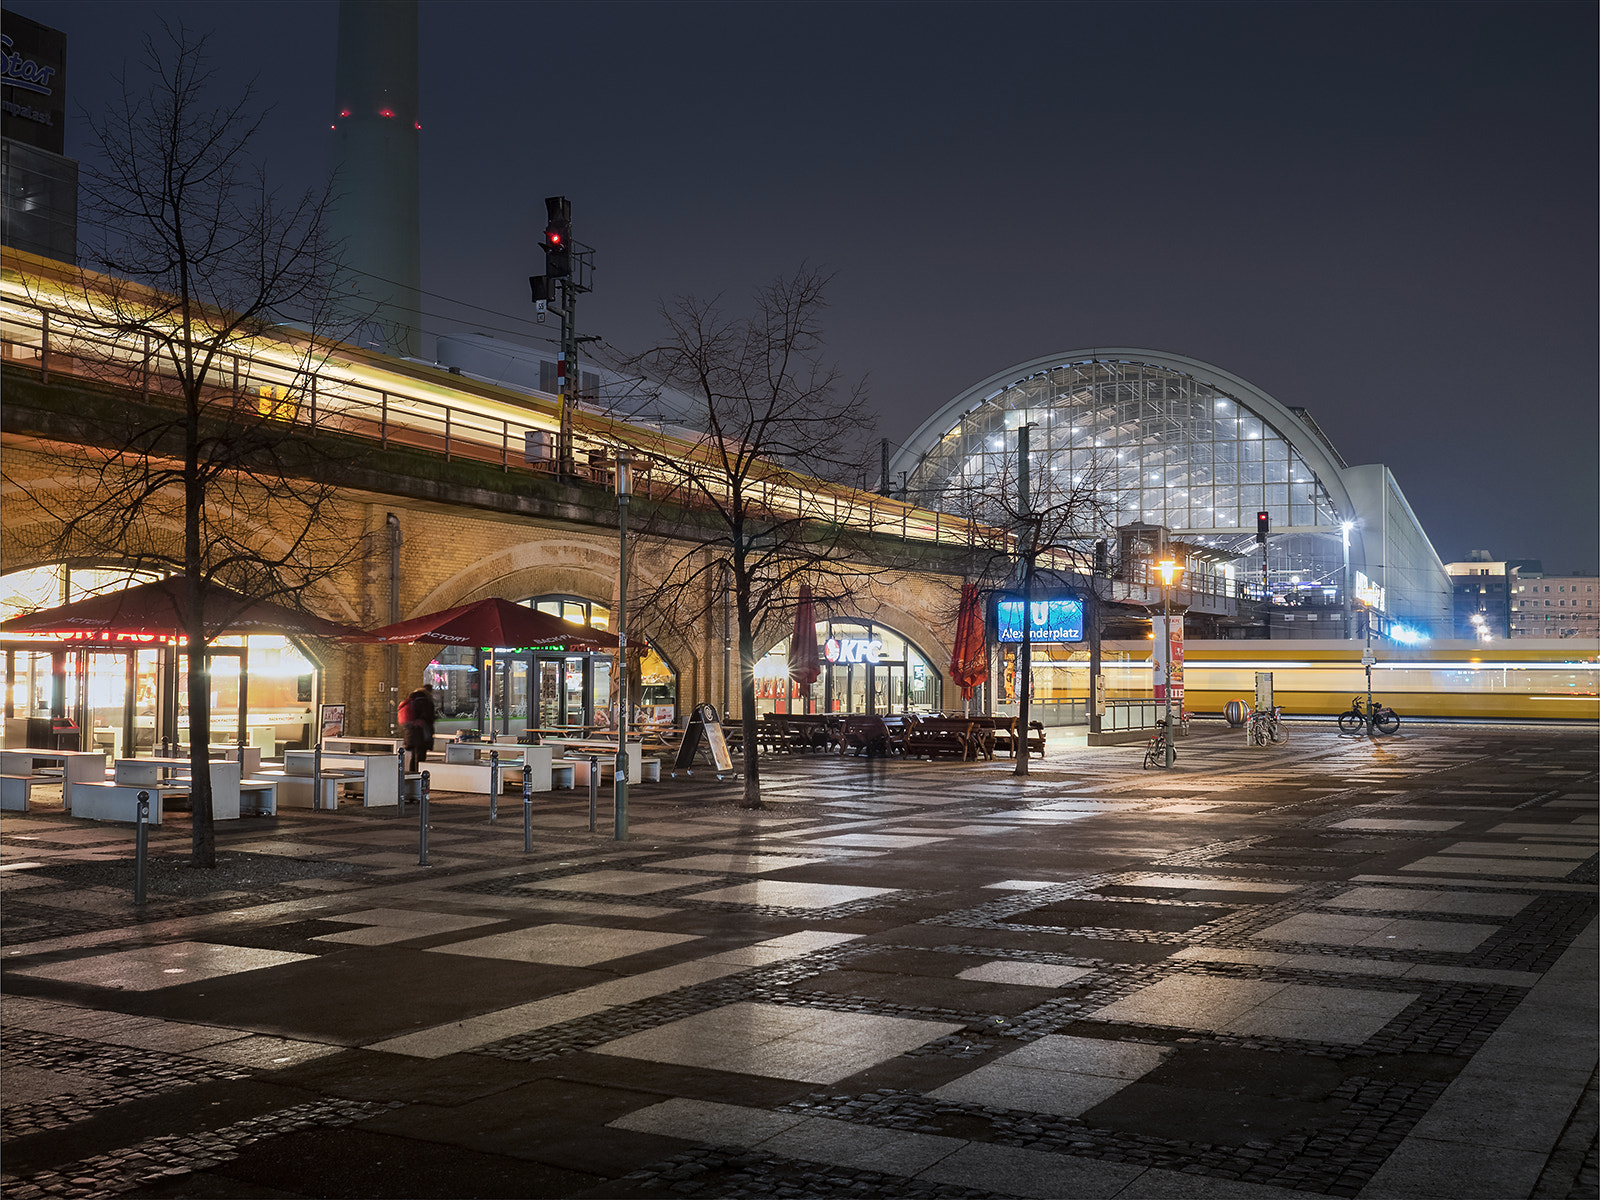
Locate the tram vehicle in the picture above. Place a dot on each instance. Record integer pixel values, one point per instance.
(1521, 680)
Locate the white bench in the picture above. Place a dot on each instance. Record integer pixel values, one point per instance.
(15, 791)
(377, 775)
(258, 797)
(117, 799)
(466, 767)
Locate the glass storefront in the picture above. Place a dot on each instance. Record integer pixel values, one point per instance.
(530, 688)
(127, 694)
(866, 668)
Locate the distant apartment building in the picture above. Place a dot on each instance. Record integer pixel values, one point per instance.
(1514, 598)
(1554, 606)
(1480, 600)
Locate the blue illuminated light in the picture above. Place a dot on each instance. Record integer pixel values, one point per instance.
(1059, 620)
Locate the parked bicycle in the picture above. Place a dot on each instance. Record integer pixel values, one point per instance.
(1266, 725)
(1155, 753)
(1364, 716)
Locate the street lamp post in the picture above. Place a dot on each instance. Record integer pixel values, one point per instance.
(624, 487)
(1170, 571)
(1344, 528)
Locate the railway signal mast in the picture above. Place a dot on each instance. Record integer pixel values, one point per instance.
(570, 264)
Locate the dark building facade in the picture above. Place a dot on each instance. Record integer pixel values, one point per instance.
(40, 182)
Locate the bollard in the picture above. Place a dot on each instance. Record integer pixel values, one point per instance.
(494, 786)
(422, 825)
(141, 843)
(621, 797)
(594, 787)
(527, 809)
(400, 804)
(316, 777)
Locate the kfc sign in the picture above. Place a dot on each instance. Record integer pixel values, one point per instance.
(852, 650)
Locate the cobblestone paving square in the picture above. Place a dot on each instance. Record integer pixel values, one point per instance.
(1338, 967)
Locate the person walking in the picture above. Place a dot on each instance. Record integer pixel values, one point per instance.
(417, 715)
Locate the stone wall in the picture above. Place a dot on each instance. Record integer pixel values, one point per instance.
(455, 554)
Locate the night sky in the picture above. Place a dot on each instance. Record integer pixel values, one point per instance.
(1385, 213)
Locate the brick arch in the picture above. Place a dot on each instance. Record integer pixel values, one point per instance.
(29, 541)
(898, 617)
(552, 563)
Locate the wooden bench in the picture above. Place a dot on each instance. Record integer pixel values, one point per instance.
(931, 737)
(864, 733)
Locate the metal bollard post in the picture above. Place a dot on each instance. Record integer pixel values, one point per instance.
(316, 777)
(494, 786)
(400, 803)
(422, 826)
(527, 808)
(141, 843)
(594, 787)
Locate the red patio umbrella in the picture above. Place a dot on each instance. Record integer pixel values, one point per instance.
(491, 622)
(805, 666)
(162, 607)
(969, 659)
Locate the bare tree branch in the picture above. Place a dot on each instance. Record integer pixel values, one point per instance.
(738, 515)
(215, 468)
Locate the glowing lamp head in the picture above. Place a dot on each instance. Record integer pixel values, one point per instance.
(1169, 570)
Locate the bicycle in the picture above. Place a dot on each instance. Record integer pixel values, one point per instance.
(1359, 718)
(1155, 753)
(1266, 725)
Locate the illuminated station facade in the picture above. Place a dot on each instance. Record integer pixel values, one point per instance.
(1184, 457)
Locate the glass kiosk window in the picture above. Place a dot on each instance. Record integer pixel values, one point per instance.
(866, 668)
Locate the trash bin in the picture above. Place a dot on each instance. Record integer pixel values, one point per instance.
(1235, 713)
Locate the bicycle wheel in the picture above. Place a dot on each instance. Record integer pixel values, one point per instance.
(1277, 732)
(1152, 757)
(1351, 721)
(1387, 721)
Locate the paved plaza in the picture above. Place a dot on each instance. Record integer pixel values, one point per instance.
(1339, 967)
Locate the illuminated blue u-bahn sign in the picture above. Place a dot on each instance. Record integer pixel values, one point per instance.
(1053, 620)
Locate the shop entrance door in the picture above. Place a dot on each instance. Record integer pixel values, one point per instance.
(896, 697)
(564, 690)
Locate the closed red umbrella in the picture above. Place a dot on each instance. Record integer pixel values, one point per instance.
(491, 622)
(162, 606)
(969, 659)
(805, 666)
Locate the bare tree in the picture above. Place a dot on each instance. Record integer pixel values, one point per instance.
(209, 297)
(733, 512)
(1033, 530)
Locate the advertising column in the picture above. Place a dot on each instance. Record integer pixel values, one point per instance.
(1167, 660)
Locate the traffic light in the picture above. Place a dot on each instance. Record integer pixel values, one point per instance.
(558, 237)
(1263, 527)
(1102, 558)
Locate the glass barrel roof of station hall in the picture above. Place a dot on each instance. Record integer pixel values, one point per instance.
(1167, 448)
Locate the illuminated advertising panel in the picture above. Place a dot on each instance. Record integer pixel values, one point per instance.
(1059, 619)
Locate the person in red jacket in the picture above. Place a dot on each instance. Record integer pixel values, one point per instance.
(417, 715)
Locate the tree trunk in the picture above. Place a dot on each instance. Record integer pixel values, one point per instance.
(203, 841)
(1024, 675)
(1091, 616)
(747, 702)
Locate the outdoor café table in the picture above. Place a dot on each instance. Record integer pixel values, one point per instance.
(361, 745)
(607, 750)
(77, 766)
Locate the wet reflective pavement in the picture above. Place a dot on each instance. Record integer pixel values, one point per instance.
(1338, 967)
